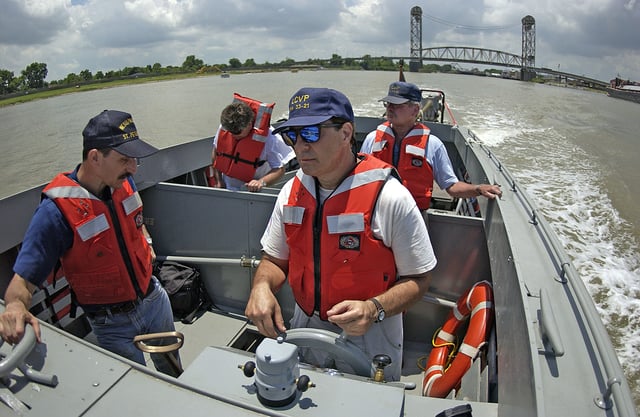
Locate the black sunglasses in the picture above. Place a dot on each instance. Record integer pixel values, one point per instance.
(309, 134)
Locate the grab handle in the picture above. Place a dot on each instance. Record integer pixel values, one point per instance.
(549, 326)
(19, 352)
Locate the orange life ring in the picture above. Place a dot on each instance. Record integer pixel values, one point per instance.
(478, 303)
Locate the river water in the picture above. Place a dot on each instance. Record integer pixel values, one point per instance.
(576, 152)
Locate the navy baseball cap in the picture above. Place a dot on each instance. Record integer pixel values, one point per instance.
(115, 129)
(400, 92)
(312, 106)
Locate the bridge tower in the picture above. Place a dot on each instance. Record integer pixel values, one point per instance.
(528, 48)
(416, 39)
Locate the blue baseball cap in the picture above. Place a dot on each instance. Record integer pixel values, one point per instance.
(400, 92)
(115, 129)
(312, 106)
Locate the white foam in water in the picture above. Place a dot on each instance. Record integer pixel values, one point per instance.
(494, 129)
(564, 184)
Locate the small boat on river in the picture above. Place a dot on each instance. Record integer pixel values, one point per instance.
(547, 352)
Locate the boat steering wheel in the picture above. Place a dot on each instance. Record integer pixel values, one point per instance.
(337, 346)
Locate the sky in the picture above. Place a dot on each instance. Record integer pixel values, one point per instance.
(595, 38)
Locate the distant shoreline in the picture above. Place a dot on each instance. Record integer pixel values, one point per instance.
(58, 91)
(54, 92)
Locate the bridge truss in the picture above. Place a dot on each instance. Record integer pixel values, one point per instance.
(474, 55)
(524, 62)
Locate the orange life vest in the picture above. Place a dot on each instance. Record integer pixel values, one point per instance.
(333, 253)
(415, 171)
(240, 158)
(94, 265)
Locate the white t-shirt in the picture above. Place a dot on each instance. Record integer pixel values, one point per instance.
(275, 152)
(399, 224)
(396, 221)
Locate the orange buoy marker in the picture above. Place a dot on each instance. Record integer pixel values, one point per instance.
(477, 302)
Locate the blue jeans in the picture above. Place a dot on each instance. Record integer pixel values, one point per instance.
(115, 332)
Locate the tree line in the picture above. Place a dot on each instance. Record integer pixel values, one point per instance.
(35, 74)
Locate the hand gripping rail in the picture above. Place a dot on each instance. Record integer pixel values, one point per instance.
(17, 357)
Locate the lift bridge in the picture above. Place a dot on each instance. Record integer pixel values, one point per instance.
(525, 62)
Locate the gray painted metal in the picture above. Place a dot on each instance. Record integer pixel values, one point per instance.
(332, 395)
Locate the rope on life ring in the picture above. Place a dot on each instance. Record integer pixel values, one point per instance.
(477, 302)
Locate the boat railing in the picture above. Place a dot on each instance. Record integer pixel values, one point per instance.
(243, 261)
(450, 115)
(567, 274)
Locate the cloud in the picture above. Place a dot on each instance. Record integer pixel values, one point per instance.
(32, 23)
(599, 38)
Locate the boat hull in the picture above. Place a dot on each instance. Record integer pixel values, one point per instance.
(628, 95)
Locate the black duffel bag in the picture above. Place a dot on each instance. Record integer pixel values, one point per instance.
(184, 287)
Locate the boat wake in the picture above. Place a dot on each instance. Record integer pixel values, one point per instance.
(568, 188)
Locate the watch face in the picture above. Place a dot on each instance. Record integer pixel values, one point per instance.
(380, 315)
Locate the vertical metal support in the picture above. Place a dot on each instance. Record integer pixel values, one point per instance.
(416, 39)
(528, 47)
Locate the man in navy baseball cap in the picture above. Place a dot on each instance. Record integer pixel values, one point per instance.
(419, 156)
(312, 106)
(312, 109)
(115, 129)
(401, 92)
(335, 233)
(90, 223)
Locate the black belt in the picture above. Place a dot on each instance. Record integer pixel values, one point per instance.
(120, 308)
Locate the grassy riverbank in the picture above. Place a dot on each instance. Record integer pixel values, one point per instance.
(53, 92)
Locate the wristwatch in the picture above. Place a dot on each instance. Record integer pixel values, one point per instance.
(149, 241)
(381, 313)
